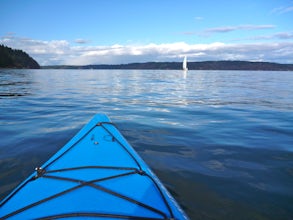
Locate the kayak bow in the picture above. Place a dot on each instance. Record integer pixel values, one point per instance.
(97, 174)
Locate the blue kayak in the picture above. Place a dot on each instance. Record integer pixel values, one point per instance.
(97, 174)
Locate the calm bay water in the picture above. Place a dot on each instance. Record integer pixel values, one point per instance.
(221, 141)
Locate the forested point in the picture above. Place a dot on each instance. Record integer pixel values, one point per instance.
(12, 58)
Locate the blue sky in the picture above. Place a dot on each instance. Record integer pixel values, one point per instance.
(81, 32)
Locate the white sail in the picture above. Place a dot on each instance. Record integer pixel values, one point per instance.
(185, 64)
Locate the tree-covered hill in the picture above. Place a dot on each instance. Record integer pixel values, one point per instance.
(10, 58)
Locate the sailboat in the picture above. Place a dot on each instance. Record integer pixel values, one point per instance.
(184, 66)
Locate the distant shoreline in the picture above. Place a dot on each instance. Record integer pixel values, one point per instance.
(203, 65)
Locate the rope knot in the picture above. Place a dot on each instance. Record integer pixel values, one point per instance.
(141, 172)
(40, 172)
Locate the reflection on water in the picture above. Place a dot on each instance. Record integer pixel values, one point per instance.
(221, 141)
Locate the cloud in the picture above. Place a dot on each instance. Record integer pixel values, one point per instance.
(199, 18)
(282, 10)
(81, 41)
(280, 35)
(226, 29)
(61, 52)
(45, 52)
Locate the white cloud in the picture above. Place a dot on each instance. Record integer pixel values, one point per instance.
(45, 52)
(61, 52)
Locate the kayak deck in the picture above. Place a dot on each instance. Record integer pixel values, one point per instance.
(96, 174)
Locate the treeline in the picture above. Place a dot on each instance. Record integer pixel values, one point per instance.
(205, 65)
(10, 58)
(240, 65)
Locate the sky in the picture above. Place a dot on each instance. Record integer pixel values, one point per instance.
(82, 32)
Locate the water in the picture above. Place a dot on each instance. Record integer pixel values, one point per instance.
(221, 141)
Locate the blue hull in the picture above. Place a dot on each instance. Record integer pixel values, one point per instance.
(97, 174)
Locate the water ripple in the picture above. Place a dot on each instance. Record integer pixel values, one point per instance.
(220, 140)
